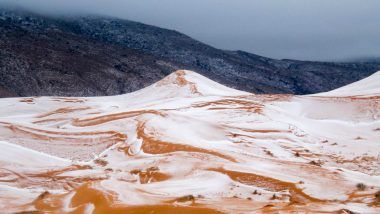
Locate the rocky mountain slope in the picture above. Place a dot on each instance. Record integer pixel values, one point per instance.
(187, 144)
(90, 56)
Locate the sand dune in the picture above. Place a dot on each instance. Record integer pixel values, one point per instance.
(190, 145)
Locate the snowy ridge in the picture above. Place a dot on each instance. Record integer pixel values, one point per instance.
(367, 87)
(188, 144)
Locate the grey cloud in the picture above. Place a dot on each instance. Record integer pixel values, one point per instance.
(299, 29)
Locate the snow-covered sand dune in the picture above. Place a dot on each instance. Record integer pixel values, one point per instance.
(189, 145)
(366, 87)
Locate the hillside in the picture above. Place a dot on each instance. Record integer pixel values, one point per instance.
(187, 144)
(93, 56)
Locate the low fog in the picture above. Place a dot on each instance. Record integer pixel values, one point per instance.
(297, 29)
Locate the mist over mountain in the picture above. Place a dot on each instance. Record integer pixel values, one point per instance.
(297, 29)
(364, 59)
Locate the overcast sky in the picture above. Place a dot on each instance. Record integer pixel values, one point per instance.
(298, 29)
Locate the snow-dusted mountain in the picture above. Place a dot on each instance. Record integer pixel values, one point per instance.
(98, 56)
(188, 144)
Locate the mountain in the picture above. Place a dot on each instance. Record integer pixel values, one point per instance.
(187, 144)
(94, 56)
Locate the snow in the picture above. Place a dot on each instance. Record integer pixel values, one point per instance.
(12, 155)
(187, 135)
(365, 87)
